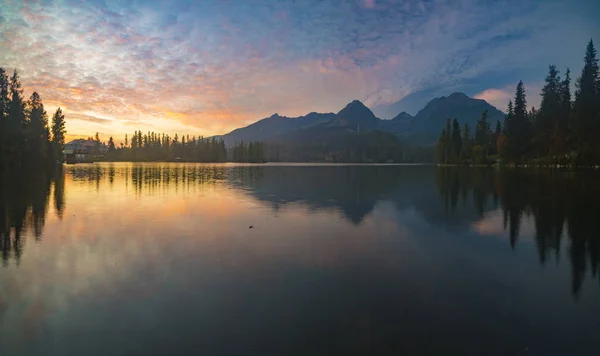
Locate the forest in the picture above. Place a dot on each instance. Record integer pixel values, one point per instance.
(26, 137)
(161, 147)
(343, 146)
(563, 131)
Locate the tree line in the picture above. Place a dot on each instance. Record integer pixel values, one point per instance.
(562, 131)
(253, 152)
(25, 134)
(153, 146)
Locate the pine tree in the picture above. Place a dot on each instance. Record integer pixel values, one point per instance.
(563, 125)
(587, 101)
(38, 126)
(467, 144)
(441, 148)
(4, 105)
(456, 141)
(482, 131)
(58, 133)
(493, 144)
(547, 123)
(111, 145)
(518, 126)
(16, 116)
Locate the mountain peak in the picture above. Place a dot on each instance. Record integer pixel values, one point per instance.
(274, 116)
(403, 116)
(355, 104)
(458, 95)
(356, 115)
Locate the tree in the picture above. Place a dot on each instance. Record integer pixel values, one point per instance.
(4, 105)
(16, 116)
(482, 131)
(97, 143)
(547, 122)
(38, 126)
(442, 147)
(494, 138)
(467, 144)
(111, 145)
(587, 97)
(518, 126)
(456, 141)
(126, 143)
(563, 124)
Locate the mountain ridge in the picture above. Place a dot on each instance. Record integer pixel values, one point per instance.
(422, 128)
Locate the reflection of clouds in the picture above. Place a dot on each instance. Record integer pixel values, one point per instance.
(492, 224)
(217, 66)
(114, 245)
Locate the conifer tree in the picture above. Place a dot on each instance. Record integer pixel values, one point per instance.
(587, 101)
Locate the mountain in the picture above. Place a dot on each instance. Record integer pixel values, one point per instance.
(274, 125)
(411, 103)
(403, 116)
(428, 123)
(355, 116)
(422, 129)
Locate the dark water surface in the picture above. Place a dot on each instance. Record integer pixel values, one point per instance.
(159, 259)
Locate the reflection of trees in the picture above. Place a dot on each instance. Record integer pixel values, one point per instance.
(150, 178)
(551, 198)
(24, 195)
(353, 189)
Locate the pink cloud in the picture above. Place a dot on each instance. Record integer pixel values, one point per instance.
(369, 4)
(499, 97)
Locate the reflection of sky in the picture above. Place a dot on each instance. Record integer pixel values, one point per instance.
(127, 268)
(210, 66)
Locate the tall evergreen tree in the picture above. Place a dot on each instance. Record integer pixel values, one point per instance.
(456, 141)
(482, 131)
(111, 145)
(467, 143)
(38, 134)
(4, 105)
(587, 101)
(493, 143)
(547, 123)
(16, 115)
(563, 126)
(441, 148)
(518, 126)
(58, 133)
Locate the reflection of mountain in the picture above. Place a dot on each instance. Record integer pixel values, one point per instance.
(353, 189)
(562, 207)
(24, 195)
(452, 197)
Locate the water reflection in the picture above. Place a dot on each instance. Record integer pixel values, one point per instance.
(552, 199)
(559, 204)
(341, 258)
(24, 196)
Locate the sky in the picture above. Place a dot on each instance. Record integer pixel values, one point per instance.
(207, 67)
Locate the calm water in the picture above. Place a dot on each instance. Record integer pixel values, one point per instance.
(157, 259)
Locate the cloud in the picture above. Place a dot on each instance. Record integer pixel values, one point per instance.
(499, 97)
(212, 66)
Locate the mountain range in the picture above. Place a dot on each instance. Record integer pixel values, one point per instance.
(422, 129)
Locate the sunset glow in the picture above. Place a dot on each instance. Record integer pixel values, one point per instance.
(210, 67)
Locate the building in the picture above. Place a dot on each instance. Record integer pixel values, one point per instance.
(84, 150)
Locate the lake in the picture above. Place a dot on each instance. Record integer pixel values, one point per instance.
(199, 259)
